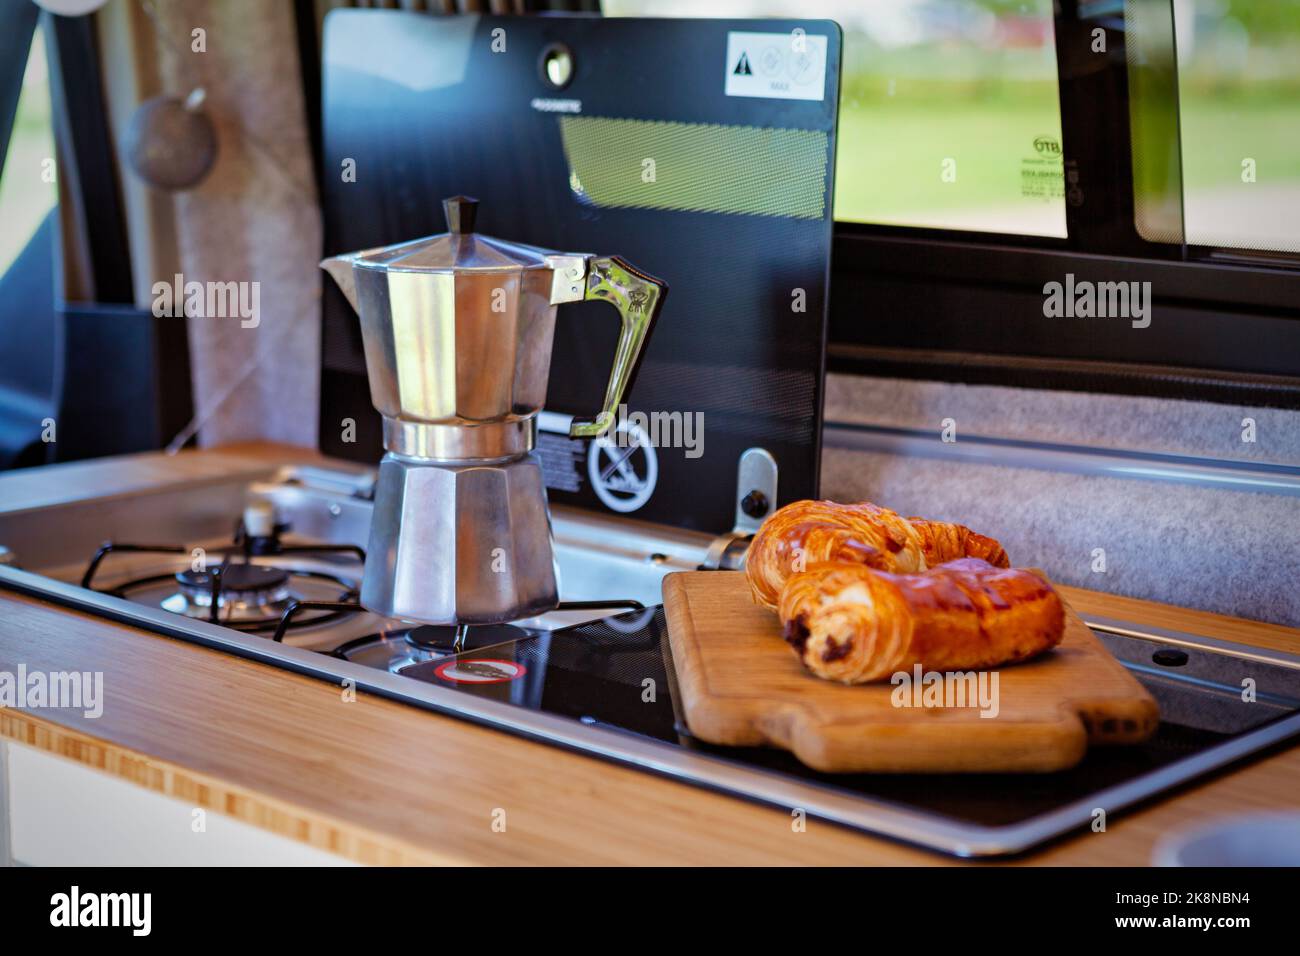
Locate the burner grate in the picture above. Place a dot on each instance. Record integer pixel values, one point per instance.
(242, 595)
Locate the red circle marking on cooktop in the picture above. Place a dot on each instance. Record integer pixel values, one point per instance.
(441, 671)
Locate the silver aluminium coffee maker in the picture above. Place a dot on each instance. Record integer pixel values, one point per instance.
(457, 331)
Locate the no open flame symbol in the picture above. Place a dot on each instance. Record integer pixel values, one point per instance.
(623, 467)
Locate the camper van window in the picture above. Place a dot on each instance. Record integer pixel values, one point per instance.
(949, 111)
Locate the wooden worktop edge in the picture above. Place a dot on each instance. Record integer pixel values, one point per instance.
(202, 790)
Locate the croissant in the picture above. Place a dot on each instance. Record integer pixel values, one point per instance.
(806, 533)
(943, 542)
(850, 623)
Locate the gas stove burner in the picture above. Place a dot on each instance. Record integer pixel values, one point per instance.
(442, 637)
(254, 578)
(246, 593)
(249, 596)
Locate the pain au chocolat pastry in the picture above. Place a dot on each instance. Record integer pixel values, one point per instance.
(853, 624)
(806, 533)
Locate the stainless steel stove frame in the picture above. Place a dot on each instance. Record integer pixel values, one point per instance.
(673, 549)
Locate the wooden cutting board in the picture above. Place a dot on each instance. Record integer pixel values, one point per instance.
(741, 684)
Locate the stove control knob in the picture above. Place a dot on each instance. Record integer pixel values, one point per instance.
(259, 519)
(754, 504)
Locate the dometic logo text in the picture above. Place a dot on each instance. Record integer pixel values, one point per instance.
(29, 690)
(103, 909)
(946, 689)
(547, 105)
(1101, 300)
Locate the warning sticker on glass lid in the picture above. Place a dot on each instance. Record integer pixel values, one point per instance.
(782, 66)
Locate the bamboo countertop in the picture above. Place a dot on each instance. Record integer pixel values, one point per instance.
(380, 782)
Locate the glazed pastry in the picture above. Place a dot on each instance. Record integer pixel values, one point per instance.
(806, 533)
(850, 623)
(943, 542)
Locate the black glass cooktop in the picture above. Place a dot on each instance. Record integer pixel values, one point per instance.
(617, 674)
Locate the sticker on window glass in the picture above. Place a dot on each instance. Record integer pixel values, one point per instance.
(779, 66)
(1042, 174)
